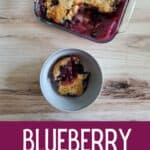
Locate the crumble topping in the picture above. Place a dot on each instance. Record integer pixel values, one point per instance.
(61, 10)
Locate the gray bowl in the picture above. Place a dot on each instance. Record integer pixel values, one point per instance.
(65, 103)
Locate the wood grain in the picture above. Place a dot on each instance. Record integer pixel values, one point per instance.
(25, 43)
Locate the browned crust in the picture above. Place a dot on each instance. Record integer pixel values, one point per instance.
(65, 10)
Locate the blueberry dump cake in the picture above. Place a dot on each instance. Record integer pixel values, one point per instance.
(94, 19)
(61, 10)
(69, 77)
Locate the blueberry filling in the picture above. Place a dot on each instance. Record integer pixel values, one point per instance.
(70, 71)
(55, 2)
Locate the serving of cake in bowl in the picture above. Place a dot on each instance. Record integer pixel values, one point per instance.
(70, 79)
(69, 76)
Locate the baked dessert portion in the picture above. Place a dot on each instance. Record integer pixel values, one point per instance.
(69, 76)
(98, 20)
(61, 10)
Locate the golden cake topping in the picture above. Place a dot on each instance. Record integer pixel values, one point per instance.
(60, 10)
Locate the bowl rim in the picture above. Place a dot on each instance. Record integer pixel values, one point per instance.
(46, 60)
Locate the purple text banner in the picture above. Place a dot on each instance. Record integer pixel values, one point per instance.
(74, 135)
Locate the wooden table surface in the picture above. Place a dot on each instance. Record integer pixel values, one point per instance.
(25, 43)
